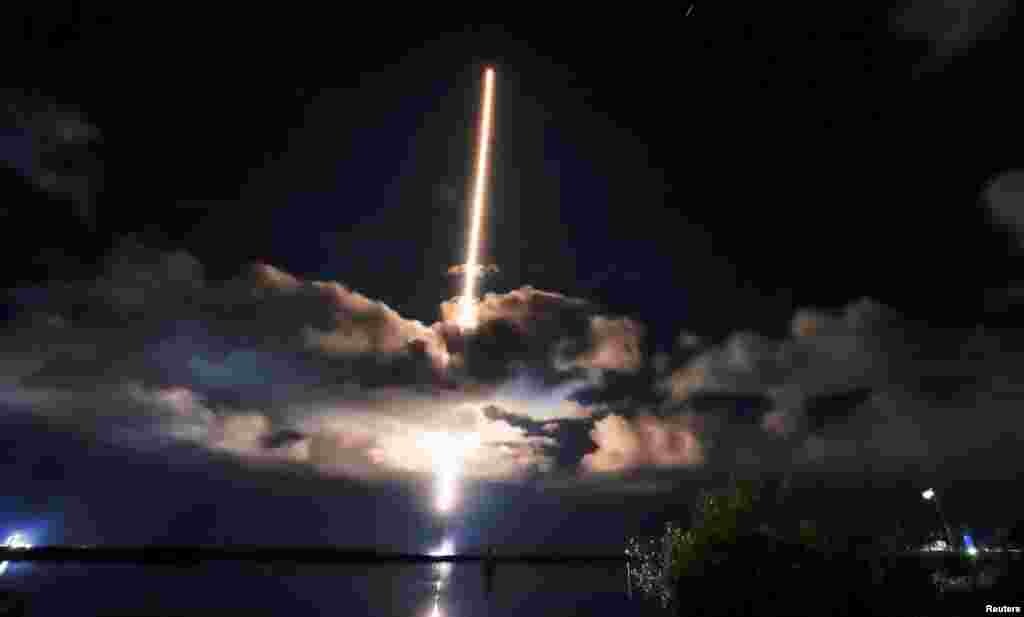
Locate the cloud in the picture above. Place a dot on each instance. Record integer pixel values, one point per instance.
(661, 362)
(394, 438)
(51, 144)
(825, 352)
(624, 444)
(553, 334)
(273, 369)
(823, 410)
(745, 362)
(614, 345)
(1004, 196)
(860, 386)
(282, 438)
(779, 422)
(153, 318)
(688, 340)
(952, 27)
(242, 432)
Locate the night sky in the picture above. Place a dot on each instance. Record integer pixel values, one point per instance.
(743, 240)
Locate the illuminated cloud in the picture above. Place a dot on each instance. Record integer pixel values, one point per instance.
(153, 317)
(544, 331)
(689, 380)
(642, 441)
(614, 345)
(386, 437)
(272, 369)
(529, 310)
(370, 435)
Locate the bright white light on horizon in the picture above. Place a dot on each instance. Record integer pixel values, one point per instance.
(15, 540)
(928, 494)
(447, 548)
(468, 310)
(972, 551)
(447, 452)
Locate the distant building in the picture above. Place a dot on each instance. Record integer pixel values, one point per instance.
(937, 545)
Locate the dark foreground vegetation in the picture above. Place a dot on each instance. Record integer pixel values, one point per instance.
(729, 562)
(758, 575)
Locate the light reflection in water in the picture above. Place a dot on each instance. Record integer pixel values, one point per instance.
(15, 540)
(443, 571)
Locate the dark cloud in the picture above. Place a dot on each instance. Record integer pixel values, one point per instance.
(557, 337)
(623, 389)
(573, 436)
(493, 412)
(826, 409)
(951, 27)
(153, 318)
(864, 385)
(644, 441)
(282, 438)
(53, 145)
(825, 352)
(1004, 196)
(740, 408)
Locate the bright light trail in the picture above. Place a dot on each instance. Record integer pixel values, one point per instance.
(468, 311)
(15, 540)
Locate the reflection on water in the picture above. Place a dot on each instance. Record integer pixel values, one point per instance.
(15, 540)
(414, 590)
(442, 571)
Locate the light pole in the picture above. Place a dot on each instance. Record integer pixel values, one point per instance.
(932, 496)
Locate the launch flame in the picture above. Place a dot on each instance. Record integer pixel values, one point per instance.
(468, 312)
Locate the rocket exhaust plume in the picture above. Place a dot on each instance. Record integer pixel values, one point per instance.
(468, 310)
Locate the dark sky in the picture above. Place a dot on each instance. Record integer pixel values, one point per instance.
(711, 163)
(715, 174)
